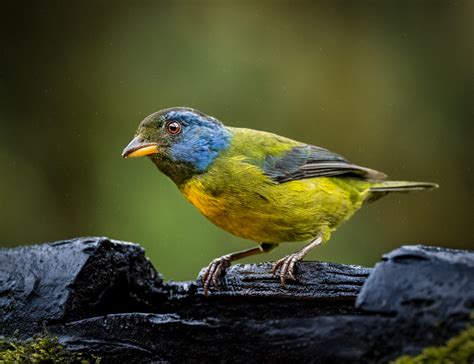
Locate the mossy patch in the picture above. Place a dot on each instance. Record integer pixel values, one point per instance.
(40, 349)
(457, 350)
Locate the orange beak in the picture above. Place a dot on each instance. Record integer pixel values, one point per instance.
(138, 148)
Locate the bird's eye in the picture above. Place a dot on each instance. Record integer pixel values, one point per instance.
(173, 127)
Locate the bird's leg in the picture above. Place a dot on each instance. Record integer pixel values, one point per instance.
(286, 265)
(218, 266)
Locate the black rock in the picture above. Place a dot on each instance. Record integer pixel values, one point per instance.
(71, 280)
(426, 282)
(103, 297)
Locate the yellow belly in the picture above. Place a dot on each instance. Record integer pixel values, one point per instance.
(275, 213)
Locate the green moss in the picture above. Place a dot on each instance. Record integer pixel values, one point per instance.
(458, 350)
(40, 349)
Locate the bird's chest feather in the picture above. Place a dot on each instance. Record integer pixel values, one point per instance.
(231, 198)
(234, 212)
(239, 198)
(201, 197)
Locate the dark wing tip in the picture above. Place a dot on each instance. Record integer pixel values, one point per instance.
(371, 174)
(342, 168)
(309, 161)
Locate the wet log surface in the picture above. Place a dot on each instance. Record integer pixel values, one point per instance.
(104, 297)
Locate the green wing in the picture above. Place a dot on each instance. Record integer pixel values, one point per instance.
(308, 161)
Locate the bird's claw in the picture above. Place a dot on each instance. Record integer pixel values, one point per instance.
(285, 267)
(214, 272)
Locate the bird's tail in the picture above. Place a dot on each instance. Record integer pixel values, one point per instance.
(401, 186)
(380, 189)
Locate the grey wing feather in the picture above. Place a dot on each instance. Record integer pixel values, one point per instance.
(309, 161)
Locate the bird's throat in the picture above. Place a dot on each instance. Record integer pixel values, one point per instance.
(179, 172)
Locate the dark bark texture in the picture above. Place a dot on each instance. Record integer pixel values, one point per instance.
(104, 297)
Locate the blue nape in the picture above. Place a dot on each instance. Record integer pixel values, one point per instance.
(201, 140)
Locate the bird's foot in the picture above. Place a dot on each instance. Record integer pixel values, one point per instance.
(214, 272)
(285, 267)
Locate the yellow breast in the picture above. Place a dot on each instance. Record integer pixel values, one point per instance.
(242, 200)
(195, 193)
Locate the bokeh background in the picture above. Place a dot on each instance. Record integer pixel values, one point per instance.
(389, 84)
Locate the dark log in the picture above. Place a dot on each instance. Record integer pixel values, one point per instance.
(71, 280)
(104, 297)
(429, 281)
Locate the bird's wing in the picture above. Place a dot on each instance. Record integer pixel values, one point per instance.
(308, 161)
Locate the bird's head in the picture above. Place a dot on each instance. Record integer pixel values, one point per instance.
(180, 141)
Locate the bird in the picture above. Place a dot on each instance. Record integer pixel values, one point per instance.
(258, 185)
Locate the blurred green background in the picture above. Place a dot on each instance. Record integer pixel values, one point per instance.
(387, 84)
